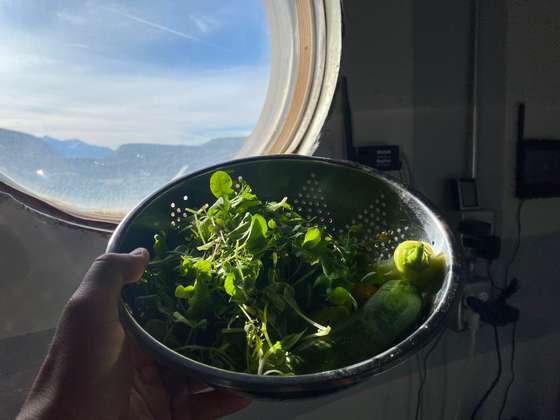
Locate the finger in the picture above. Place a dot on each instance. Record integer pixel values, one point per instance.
(149, 374)
(139, 356)
(208, 405)
(110, 272)
(100, 290)
(116, 270)
(147, 383)
(176, 383)
(138, 260)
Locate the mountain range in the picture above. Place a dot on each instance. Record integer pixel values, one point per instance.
(95, 177)
(74, 148)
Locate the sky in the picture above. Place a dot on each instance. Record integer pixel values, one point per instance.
(142, 71)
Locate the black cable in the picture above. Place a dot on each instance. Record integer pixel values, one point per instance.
(424, 376)
(348, 129)
(517, 243)
(514, 327)
(403, 178)
(512, 367)
(490, 277)
(496, 379)
(404, 160)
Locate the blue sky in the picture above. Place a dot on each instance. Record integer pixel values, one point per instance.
(133, 71)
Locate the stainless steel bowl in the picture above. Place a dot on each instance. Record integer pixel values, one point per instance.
(338, 193)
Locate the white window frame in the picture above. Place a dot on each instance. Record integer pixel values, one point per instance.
(303, 76)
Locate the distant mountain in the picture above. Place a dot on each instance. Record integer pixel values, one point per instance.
(99, 178)
(75, 148)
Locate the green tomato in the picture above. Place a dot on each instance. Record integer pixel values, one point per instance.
(418, 264)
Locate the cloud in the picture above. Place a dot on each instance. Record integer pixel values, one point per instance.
(23, 61)
(117, 83)
(109, 110)
(78, 45)
(153, 24)
(70, 18)
(205, 24)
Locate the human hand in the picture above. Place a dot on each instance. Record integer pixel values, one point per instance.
(94, 370)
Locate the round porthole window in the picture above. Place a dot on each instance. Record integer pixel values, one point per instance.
(104, 102)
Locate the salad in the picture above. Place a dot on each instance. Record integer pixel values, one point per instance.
(252, 286)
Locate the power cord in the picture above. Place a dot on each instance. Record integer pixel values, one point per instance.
(512, 368)
(423, 373)
(514, 327)
(404, 160)
(491, 277)
(473, 325)
(496, 312)
(421, 377)
(404, 179)
(499, 313)
(517, 242)
(496, 379)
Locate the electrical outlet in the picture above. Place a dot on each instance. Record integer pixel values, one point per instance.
(480, 289)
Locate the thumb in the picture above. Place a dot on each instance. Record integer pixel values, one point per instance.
(129, 267)
(113, 271)
(101, 287)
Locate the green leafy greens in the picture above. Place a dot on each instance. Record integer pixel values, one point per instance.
(254, 287)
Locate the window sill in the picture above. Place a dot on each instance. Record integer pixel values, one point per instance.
(51, 212)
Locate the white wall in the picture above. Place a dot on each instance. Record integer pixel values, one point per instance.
(520, 61)
(378, 61)
(533, 69)
(441, 39)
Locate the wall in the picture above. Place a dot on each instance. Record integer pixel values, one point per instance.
(406, 63)
(533, 54)
(519, 61)
(42, 262)
(378, 60)
(441, 92)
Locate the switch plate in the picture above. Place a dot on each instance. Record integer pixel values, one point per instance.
(481, 289)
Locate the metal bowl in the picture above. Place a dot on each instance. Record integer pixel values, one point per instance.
(338, 193)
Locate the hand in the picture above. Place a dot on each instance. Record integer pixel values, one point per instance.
(94, 370)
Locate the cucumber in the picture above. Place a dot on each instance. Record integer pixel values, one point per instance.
(385, 318)
(391, 313)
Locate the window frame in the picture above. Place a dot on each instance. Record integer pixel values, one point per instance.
(296, 105)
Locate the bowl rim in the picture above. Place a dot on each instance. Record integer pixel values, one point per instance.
(379, 363)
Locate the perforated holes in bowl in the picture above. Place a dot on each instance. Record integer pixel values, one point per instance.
(310, 202)
(176, 212)
(378, 236)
